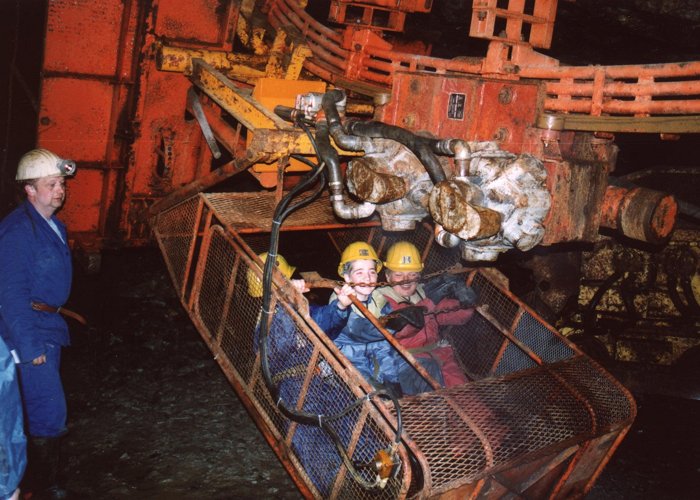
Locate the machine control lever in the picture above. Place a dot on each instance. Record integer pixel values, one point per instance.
(198, 112)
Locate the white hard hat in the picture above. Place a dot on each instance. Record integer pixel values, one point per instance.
(43, 163)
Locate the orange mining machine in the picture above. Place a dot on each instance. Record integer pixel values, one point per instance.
(164, 102)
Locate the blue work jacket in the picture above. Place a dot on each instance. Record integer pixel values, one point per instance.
(35, 266)
(365, 346)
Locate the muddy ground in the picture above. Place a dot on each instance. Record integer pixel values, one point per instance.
(152, 415)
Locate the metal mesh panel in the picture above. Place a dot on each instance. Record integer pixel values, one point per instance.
(440, 258)
(512, 412)
(611, 405)
(476, 345)
(341, 239)
(542, 340)
(467, 430)
(306, 376)
(502, 307)
(248, 212)
(175, 230)
(513, 360)
(316, 388)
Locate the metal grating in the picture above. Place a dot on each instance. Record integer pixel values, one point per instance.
(467, 431)
(531, 394)
(476, 345)
(252, 212)
(503, 307)
(175, 232)
(549, 347)
(306, 375)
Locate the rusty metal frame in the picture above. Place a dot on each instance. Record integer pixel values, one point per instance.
(638, 94)
(560, 466)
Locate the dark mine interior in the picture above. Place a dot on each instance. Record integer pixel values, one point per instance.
(153, 412)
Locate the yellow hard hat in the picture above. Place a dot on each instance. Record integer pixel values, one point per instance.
(359, 250)
(39, 163)
(403, 256)
(254, 281)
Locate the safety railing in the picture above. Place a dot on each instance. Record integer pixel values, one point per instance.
(630, 90)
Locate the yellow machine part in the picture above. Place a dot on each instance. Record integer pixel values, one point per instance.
(271, 92)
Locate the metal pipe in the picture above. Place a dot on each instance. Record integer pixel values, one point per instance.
(342, 208)
(639, 213)
(329, 104)
(444, 238)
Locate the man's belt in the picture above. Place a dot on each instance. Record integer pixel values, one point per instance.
(38, 306)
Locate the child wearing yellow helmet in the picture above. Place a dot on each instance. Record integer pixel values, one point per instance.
(330, 318)
(359, 340)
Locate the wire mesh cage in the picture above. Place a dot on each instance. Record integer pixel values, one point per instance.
(536, 417)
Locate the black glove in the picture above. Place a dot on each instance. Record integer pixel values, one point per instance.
(450, 285)
(440, 286)
(465, 294)
(411, 315)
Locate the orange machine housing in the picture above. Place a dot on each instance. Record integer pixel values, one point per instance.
(105, 105)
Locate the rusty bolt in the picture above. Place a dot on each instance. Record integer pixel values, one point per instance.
(501, 135)
(505, 96)
(409, 120)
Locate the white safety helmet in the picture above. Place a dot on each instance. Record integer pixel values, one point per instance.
(39, 163)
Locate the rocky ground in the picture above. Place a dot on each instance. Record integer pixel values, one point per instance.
(152, 415)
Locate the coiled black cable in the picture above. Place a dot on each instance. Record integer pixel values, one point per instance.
(282, 211)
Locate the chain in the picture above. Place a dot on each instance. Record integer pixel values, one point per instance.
(456, 269)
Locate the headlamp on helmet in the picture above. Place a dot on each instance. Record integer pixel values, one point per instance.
(39, 163)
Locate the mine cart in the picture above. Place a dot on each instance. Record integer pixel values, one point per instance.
(537, 419)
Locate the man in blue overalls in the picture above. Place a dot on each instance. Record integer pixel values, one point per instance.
(35, 281)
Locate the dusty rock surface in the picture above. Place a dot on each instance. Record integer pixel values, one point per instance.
(151, 413)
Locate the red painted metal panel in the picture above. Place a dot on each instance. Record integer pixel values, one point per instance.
(82, 36)
(195, 21)
(163, 126)
(83, 203)
(74, 119)
(464, 107)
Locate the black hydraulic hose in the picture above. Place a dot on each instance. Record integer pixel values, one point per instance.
(687, 287)
(282, 210)
(329, 155)
(672, 284)
(690, 306)
(589, 315)
(628, 298)
(329, 103)
(422, 147)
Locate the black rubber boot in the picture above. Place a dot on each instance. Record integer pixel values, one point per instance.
(42, 476)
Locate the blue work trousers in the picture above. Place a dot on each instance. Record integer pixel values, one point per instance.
(42, 395)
